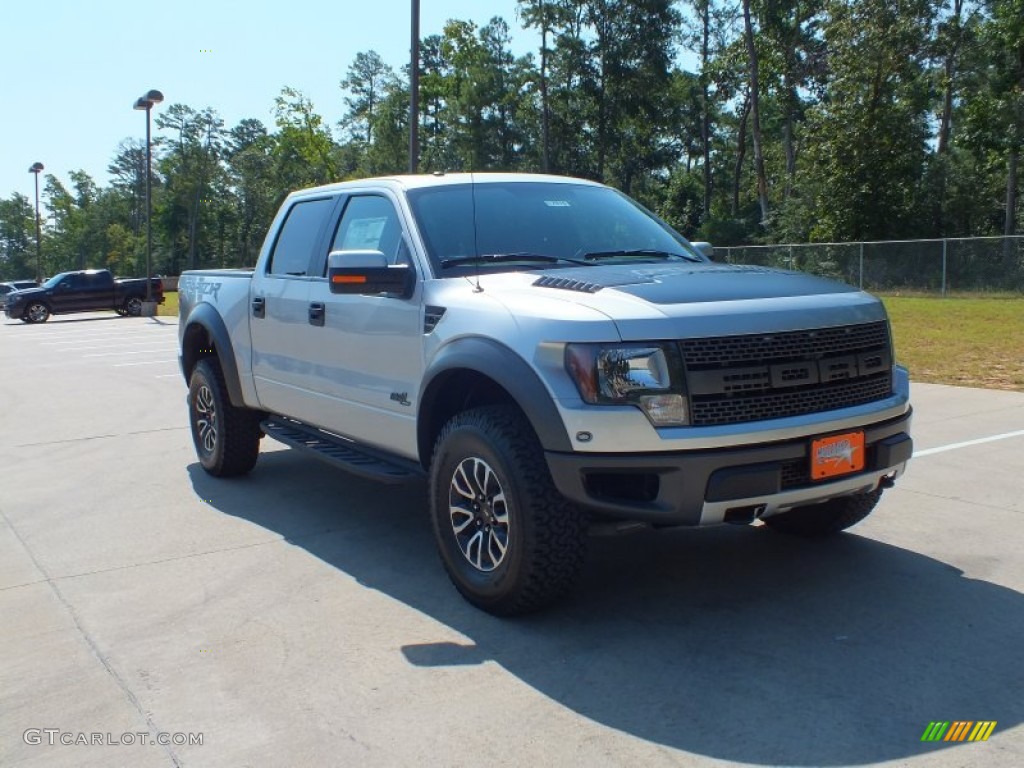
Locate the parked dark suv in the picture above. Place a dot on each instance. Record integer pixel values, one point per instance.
(14, 285)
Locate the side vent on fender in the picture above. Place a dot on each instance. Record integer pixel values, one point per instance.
(431, 317)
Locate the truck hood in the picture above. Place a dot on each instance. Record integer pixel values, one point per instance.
(25, 293)
(651, 301)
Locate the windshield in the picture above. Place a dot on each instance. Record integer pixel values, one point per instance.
(52, 282)
(539, 219)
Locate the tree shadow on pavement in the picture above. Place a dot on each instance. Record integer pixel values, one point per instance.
(739, 644)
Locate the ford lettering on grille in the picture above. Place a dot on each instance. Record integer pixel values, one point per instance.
(765, 376)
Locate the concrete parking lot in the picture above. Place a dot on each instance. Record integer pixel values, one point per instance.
(301, 617)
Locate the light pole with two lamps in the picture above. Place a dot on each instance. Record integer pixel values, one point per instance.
(146, 103)
(35, 169)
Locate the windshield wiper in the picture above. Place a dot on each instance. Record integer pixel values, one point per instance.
(642, 252)
(497, 258)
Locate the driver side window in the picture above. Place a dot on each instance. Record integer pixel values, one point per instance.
(370, 222)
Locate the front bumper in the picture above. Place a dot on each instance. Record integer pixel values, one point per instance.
(705, 487)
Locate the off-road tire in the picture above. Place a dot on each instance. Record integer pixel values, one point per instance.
(36, 312)
(236, 431)
(827, 518)
(546, 535)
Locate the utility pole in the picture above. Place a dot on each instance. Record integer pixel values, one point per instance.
(414, 88)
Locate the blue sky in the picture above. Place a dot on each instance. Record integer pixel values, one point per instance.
(70, 70)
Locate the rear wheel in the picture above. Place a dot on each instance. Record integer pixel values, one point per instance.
(36, 312)
(133, 306)
(508, 540)
(827, 518)
(227, 438)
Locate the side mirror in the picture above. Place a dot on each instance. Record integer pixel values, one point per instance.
(64, 286)
(368, 272)
(707, 250)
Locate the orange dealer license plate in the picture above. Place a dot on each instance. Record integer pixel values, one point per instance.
(837, 455)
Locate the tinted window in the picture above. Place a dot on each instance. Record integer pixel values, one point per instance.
(549, 219)
(298, 237)
(370, 223)
(98, 280)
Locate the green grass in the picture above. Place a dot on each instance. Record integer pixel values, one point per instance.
(170, 306)
(967, 342)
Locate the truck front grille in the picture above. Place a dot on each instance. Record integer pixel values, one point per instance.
(738, 379)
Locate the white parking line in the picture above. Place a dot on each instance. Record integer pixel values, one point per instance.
(111, 328)
(167, 376)
(76, 348)
(147, 362)
(136, 352)
(967, 443)
(68, 340)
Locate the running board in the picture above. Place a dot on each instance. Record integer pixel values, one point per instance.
(341, 452)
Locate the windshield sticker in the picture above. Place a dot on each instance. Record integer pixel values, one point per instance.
(557, 204)
(364, 234)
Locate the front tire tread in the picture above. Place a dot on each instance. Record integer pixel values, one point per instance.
(553, 531)
(827, 518)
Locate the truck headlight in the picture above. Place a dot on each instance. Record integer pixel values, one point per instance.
(649, 376)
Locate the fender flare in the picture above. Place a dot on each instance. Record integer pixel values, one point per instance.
(207, 318)
(508, 370)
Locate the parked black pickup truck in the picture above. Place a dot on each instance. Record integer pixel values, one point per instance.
(83, 291)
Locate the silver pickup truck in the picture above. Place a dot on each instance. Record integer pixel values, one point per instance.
(552, 356)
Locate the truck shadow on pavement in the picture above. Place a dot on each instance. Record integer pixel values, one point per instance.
(738, 644)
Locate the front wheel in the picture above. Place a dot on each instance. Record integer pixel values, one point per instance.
(37, 312)
(508, 540)
(227, 438)
(827, 518)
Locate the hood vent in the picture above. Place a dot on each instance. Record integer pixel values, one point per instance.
(431, 317)
(567, 284)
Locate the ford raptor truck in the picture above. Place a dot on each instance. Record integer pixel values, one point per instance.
(549, 355)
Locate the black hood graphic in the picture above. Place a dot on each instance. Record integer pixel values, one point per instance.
(691, 283)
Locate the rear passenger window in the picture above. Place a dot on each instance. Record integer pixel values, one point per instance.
(298, 237)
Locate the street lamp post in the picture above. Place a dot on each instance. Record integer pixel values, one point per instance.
(35, 169)
(146, 103)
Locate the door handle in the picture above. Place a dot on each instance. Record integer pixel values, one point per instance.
(317, 313)
(259, 307)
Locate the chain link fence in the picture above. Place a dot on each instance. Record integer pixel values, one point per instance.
(953, 265)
